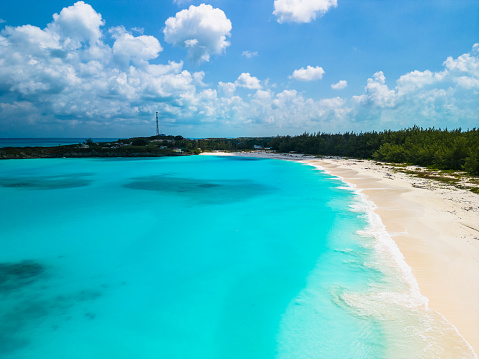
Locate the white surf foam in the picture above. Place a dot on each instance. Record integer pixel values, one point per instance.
(429, 331)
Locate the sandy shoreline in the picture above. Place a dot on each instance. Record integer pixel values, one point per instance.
(435, 227)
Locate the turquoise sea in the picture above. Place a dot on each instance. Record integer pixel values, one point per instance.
(201, 257)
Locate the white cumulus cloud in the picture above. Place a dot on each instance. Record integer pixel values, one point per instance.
(202, 30)
(84, 82)
(378, 93)
(128, 48)
(301, 11)
(468, 63)
(109, 82)
(247, 81)
(447, 98)
(308, 74)
(228, 88)
(342, 84)
(78, 23)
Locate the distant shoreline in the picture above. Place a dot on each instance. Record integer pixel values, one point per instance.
(48, 141)
(90, 148)
(21, 153)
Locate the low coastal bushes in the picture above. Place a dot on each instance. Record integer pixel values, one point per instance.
(434, 148)
(442, 149)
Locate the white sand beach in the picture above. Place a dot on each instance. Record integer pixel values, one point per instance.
(437, 230)
(435, 226)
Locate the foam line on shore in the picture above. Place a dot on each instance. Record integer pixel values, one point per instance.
(386, 245)
(378, 231)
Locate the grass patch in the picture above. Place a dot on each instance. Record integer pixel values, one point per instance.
(398, 164)
(453, 181)
(448, 180)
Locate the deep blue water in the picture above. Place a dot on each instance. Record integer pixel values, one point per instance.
(193, 257)
(47, 142)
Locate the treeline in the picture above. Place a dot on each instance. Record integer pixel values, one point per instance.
(225, 144)
(441, 149)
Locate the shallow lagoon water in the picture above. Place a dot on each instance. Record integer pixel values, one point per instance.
(193, 257)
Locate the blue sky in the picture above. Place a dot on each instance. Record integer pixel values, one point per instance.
(236, 68)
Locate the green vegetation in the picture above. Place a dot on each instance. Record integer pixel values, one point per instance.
(434, 148)
(226, 144)
(154, 146)
(133, 147)
(457, 179)
(438, 149)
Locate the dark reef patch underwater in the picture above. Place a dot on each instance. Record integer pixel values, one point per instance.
(201, 191)
(29, 301)
(17, 275)
(18, 307)
(64, 181)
